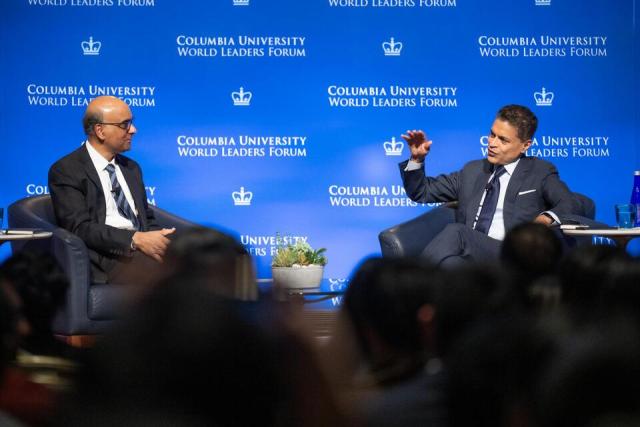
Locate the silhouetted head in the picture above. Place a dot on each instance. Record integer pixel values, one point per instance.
(390, 304)
(214, 259)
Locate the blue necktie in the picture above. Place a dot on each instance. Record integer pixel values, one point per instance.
(121, 201)
(490, 201)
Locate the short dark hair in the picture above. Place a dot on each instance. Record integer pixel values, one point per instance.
(521, 118)
(384, 296)
(90, 119)
(532, 249)
(41, 284)
(215, 260)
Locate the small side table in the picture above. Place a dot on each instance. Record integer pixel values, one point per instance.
(4, 237)
(621, 236)
(326, 291)
(317, 307)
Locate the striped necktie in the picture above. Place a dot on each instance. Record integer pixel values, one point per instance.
(121, 201)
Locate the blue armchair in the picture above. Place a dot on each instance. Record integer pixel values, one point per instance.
(411, 237)
(90, 309)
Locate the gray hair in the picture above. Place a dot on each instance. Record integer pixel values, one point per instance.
(90, 119)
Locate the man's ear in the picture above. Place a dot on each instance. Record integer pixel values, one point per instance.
(425, 315)
(98, 131)
(426, 318)
(526, 146)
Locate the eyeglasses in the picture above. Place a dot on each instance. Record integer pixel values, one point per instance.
(125, 125)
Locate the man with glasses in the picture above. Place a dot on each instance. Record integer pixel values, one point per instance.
(98, 194)
(493, 194)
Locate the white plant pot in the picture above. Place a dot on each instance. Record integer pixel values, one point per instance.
(298, 277)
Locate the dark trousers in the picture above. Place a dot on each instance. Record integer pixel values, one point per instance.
(138, 269)
(457, 244)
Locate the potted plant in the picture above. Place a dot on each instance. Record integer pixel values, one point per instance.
(297, 265)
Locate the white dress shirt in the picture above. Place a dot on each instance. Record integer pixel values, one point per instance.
(496, 230)
(113, 218)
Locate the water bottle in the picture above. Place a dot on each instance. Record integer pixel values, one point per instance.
(635, 196)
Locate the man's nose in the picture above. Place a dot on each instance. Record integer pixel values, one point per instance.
(133, 129)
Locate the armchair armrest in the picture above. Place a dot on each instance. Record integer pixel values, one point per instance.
(71, 253)
(587, 208)
(168, 220)
(411, 237)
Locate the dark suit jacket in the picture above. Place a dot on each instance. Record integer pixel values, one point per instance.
(80, 207)
(533, 188)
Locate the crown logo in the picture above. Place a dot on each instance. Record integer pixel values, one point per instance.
(392, 48)
(393, 147)
(90, 47)
(241, 98)
(337, 284)
(543, 2)
(242, 198)
(544, 98)
(241, 2)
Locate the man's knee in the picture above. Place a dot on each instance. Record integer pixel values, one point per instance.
(453, 232)
(454, 229)
(454, 261)
(446, 243)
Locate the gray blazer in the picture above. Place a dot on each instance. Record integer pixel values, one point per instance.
(534, 187)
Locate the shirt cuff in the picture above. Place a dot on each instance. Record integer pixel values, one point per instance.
(412, 166)
(553, 216)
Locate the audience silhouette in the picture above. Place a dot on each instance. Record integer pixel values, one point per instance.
(547, 336)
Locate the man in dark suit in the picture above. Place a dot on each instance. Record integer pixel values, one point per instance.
(98, 194)
(493, 194)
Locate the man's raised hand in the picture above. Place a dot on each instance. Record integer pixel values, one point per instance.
(418, 144)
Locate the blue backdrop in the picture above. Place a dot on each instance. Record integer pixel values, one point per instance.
(283, 116)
